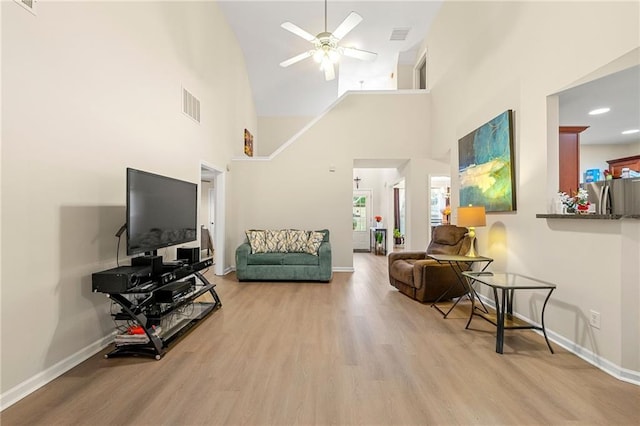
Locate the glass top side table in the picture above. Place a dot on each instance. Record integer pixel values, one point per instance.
(506, 283)
(457, 263)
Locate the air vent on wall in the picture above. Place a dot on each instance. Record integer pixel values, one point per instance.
(399, 34)
(30, 5)
(190, 105)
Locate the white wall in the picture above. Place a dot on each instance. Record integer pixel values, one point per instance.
(274, 131)
(297, 189)
(487, 57)
(89, 88)
(405, 76)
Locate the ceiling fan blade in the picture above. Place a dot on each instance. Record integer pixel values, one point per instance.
(298, 31)
(329, 72)
(358, 54)
(347, 25)
(296, 58)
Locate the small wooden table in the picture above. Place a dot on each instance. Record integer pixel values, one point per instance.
(503, 318)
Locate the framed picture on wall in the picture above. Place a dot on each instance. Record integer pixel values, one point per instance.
(248, 143)
(486, 165)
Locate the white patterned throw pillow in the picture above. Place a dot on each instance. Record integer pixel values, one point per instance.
(276, 241)
(314, 241)
(257, 241)
(297, 241)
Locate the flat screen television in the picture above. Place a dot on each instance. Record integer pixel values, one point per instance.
(161, 212)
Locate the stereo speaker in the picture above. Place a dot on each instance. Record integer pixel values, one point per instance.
(155, 262)
(190, 254)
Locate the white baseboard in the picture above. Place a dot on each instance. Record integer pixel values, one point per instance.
(343, 269)
(34, 383)
(605, 365)
(594, 359)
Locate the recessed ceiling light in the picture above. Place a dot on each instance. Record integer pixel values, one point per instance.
(630, 131)
(598, 111)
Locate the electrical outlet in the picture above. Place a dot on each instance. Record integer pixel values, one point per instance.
(594, 319)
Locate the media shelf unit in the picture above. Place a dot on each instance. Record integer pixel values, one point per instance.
(141, 305)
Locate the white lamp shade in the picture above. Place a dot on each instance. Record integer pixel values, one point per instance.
(472, 216)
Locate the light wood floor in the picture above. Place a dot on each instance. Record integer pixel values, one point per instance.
(354, 351)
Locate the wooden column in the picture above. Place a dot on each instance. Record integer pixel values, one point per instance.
(570, 158)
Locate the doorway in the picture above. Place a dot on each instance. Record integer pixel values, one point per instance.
(399, 222)
(440, 194)
(212, 214)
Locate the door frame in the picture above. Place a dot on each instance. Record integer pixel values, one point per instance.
(212, 218)
(219, 184)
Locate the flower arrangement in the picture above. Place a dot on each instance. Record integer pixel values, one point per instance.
(446, 212)
(579, 201)
(378, 218)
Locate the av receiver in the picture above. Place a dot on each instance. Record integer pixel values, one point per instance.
(121, 279)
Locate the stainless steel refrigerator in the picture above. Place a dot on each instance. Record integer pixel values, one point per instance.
(617, 196)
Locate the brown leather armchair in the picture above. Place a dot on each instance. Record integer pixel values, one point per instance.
(424, 279)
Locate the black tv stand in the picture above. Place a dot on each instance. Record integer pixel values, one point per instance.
(164, 320)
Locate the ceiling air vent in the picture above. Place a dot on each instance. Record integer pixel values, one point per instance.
(30, 5)
(190, 105)
(399, 34)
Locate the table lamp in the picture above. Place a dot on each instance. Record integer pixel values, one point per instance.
(470, 217)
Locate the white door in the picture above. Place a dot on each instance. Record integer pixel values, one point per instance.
(361, 220)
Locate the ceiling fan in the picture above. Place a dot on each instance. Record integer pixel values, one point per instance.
(326, 50)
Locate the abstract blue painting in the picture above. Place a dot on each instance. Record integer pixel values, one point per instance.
(486, 166)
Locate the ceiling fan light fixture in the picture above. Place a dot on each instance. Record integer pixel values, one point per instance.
(326, 50)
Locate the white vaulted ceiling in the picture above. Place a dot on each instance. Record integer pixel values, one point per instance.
(301, 89)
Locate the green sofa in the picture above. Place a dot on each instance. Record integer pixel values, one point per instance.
(285, 266)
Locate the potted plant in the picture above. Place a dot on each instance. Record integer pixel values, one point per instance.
(379, 248)
(397, 236)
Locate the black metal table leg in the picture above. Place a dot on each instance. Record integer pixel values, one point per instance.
(473, 302)
(443, 295)
(458, 271)
(212, 291)
(544, 330)
(499, 320)
(158, 347)
(456, 262)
